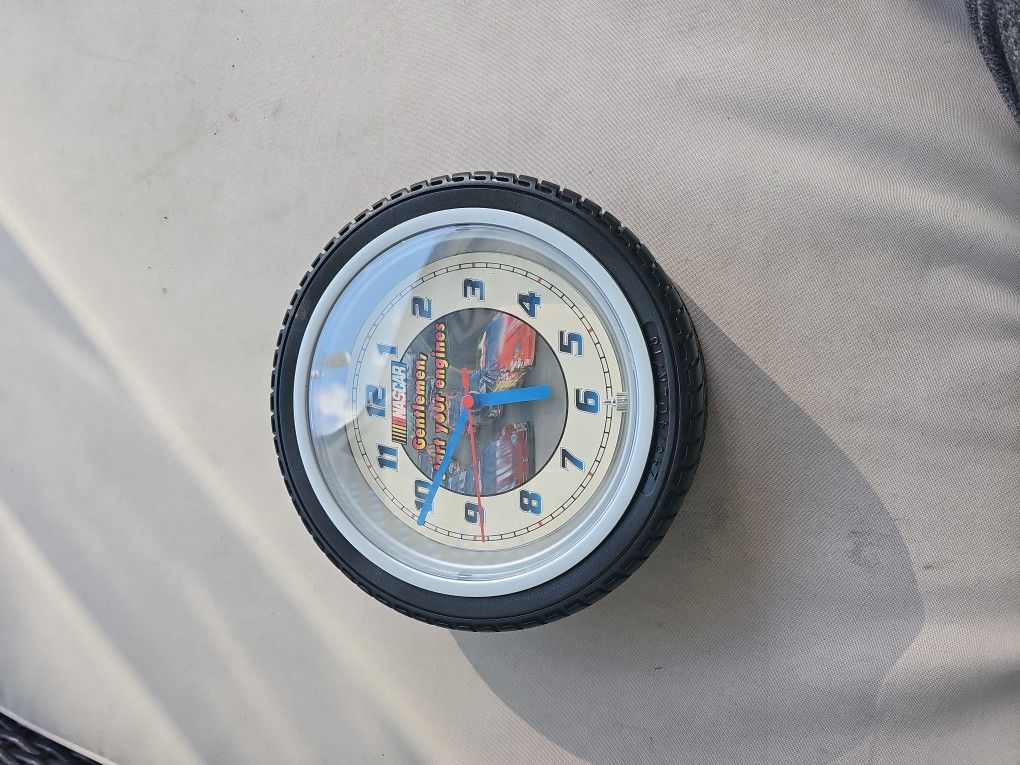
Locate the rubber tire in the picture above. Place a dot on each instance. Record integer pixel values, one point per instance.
(680, 405)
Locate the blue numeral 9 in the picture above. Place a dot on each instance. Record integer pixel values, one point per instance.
(586, 401)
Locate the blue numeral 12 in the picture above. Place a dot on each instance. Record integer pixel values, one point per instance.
(375, 401)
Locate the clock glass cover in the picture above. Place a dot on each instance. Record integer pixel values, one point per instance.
(473, 406)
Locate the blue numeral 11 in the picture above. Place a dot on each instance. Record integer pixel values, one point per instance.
(388, 457)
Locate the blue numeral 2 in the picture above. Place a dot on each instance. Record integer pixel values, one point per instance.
(421, 307)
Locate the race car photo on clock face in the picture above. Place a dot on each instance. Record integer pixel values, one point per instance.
(488, 401)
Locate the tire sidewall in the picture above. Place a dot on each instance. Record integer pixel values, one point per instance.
(645, 287)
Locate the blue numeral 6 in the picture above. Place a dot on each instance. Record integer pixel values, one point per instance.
(586, 401)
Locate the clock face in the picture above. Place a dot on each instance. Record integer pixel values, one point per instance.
(488, 400)
(479, 323)
(478, 401)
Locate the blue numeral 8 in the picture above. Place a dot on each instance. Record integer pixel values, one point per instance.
(531, 502)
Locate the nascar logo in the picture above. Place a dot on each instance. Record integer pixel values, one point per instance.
(398, 416)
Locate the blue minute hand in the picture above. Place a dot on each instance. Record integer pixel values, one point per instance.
(437, 479)
(512, 396)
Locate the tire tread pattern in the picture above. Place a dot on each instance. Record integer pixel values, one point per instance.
(690, 363)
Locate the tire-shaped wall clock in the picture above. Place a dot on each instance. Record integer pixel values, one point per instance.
(488, 401)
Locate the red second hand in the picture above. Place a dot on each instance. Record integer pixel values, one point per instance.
(465, 379)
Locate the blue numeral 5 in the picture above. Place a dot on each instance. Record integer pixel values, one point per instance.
(571, 342)
(530, 302)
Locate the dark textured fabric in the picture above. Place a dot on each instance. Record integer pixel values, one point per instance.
(20, 745)
(997, 26)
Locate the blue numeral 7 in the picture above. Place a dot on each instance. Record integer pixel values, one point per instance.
(566, 457)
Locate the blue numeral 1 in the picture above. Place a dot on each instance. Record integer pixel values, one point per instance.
(421, 491)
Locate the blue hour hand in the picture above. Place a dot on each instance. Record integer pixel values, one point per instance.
(513, 396)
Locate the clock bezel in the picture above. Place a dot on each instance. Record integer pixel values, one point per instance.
(678, 370)
(635, 440)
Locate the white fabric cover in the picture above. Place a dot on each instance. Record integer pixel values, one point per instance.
(835, 187)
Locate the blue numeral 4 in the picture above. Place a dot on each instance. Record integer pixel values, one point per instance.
(530, 302)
